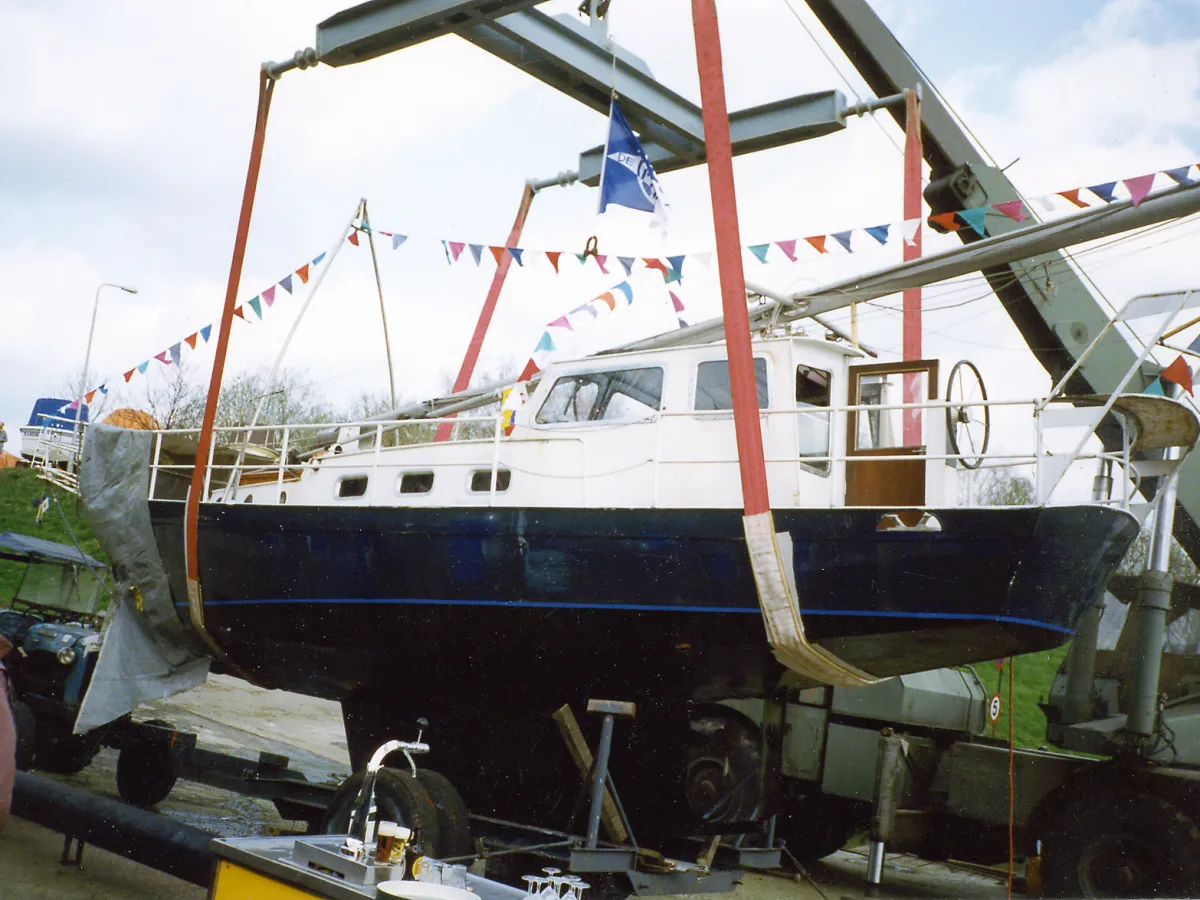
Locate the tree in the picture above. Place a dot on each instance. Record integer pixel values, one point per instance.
(1002, 487)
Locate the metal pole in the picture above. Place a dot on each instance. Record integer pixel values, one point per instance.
(87, 359)
(446, 427)
(599, 778)
(266, 87)
(387, 344)
(1154, 600)
(911, 298)
(742, 382)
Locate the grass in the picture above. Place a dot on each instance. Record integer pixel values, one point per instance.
(1032, 676)
(19, 489)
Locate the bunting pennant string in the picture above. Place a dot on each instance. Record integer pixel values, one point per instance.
(570, 320)
(173, 355)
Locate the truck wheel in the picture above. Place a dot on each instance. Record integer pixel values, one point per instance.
(723, 780)
(398, 798)
(815, 826)
(454, 828)
(26, 733)
(145, 775)
(57, 750)
(1124, 845)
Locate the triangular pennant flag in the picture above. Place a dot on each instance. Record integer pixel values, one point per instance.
(303, 273)
(760, 251)
(74, 404)
(1194, 346)
(627, 263)
(191, 340)
(1177, 372)
(87, 399)
(704, 258)
(818, 242)
(205, 332)
(237, 311)
(269, 296)
(788, 248)
(553, 256)
(676, 302)
(176, 352)
(286, 283)
(162, 358)
(587, 308)
(142, 366)
(682, 324)
(658, 265)
(446, 251)
(516, 254)
(397, 240)
(676, 263)
(608, 298)
(529, 371)
(103, 389)
(1180, 175)
(909, 228)
(320, 256)
(1014, 209)
(946, 221)
(354, 238)
(582, 257)
(1104, 191)
(561, 322)
(974, 217)
(1155, 388)
(456, 249)
(625, 289)
(843, 238)
(497, 253)
(1073, 196)
(1139, 187)
(129, 374)
(256, 305)
(545, 344)
(601, 259)
(476, 251)
(879, 232)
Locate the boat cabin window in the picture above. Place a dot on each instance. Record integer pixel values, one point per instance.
(354, 486)
(712, 385)
(481, 480)
(416, 482)
(812, 392)
(884, 429)
(626, 395)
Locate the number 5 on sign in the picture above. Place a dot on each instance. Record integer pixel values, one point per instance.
(994, 709)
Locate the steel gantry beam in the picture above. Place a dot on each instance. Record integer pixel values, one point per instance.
(578, 60)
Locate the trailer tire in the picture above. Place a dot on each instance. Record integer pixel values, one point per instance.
(722, 779)
(26, 725)
(398, 798)
(454, 826)
(145, 774)
(57, 750)
(1122, 845)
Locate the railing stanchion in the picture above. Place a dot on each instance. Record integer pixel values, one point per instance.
(157, 458)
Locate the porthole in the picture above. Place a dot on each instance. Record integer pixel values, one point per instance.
(354, 486)
(283, 497)
(416, 482)
(481, 480)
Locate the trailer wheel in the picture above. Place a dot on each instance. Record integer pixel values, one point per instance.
(145, 774)
(57, 750)
(398, 798)
(454, 828)
(26, 725)
(723, 779)
(1123, 845)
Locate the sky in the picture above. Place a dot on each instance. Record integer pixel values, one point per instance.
(127, 126)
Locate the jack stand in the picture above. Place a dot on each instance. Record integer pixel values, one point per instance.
(891, 754)
(591, 857)
(66, 852)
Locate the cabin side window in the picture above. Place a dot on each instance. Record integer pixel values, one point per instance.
(712, 385)
(481, 481)
(628, 395)
(415, 483)
(353, 486)
(812, 392)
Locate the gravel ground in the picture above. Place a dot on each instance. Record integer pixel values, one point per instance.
(232, 716)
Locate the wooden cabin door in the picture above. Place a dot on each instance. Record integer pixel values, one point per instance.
(870, 434)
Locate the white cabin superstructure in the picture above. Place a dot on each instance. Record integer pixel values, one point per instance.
(654, 429)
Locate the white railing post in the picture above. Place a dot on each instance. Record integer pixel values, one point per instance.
(496, 456)
(157, 459)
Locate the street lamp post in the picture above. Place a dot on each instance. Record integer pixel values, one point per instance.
(87, 359)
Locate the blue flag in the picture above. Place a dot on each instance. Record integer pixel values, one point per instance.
(626, 176)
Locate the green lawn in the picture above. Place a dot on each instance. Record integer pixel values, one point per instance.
(19, 489)
(1032, 675)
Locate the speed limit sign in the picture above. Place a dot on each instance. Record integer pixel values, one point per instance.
(994, 708)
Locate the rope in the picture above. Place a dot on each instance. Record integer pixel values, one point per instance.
(1011, 795)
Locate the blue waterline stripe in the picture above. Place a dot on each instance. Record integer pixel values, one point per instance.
(637, 607)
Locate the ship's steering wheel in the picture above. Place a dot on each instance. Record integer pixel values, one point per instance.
(968, 426)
